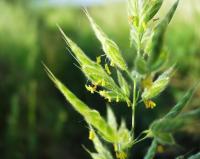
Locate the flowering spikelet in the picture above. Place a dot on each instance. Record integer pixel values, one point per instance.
(121, 155)
(147, 82)
(90, 88)
(96, 74)
(152, 89)
(160, 149)
(109, 47)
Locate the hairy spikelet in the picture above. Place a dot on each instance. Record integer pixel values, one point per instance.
(96, 74)
(109, 47)
(152, 150)
(158, 36)
(182, 103)
(91, 116)
(158, 85)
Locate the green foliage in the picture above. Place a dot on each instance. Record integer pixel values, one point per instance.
(170, 124)
(149, 12)
(174, 124)
(19, 36)
(162, 129)
(181, 104)
(196, 156)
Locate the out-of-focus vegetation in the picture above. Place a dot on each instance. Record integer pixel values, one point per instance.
(35, 122)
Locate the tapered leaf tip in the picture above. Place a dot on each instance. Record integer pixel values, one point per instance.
(60, 29)
(64, 35)
(49, 73)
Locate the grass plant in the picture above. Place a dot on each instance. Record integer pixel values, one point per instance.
(142, 83)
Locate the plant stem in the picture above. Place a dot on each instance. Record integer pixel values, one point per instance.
(134, 105)
(134, 101)
(152, 150)
(140, 140)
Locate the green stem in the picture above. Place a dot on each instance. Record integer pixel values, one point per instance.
(142, 139)
(134, 100)
(134, 105)
(152, 150)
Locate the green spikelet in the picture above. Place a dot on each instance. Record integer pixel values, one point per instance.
(96, 74)
(110, 47)
(91, 116)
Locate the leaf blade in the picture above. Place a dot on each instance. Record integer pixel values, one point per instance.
(158, 36)
(195, 156)
(152, 150)
(182, 103)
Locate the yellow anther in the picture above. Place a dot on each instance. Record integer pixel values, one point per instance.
(102, 93)
(101, 82)
(121, 155)
(149, 104)
(117, 155)
(160, 149)
(91, 135)
(147, 82)
(97, 83)
(107, 69)
(90, 88)
(98, 59)
(105, 95)
(95, 86)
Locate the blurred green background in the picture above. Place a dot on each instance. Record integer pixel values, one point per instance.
(35, 120)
